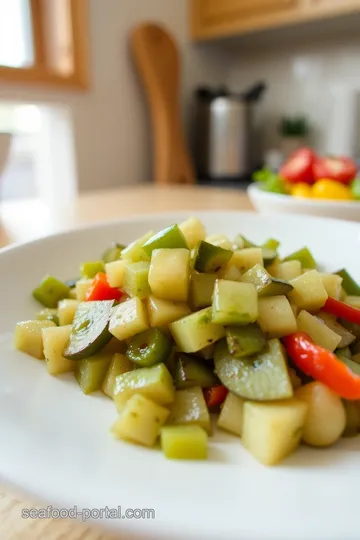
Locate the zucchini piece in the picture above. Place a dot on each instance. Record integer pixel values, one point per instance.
(264, 283)
(210, 258)
(119, 364)
(90, 330)
(88, 270)
(201, 289)
(149, 348)
(269, 255)
(128, 319)
(28, 337)
(231, 414)
(169, 274)
(332, 284)
(353, 301)
(154, 383)
(54, 340)
(330, 320)
(90, 372)
(191, 372)
(352, 327)
(352, 412)
(135, 251)
(271, 431)
(245, 259)
(169, 238)
(234, 303)
(66, 310)
(287, 270)
(48, 314)
(344, 351)
(81, 288)
(51, 291)
(193, 231)
(245, 340)
(271, 243)
(276, 317)
(189, 408)
(243, 242)
(219, 240)
(163, 312)
(304, 256)
(136, 279)
(140, 421)
(115, 273)
(261, 377)
(194, 332)
(184, 442)
(207, 353)
(319, 332)
(309, 292)
(113, 253)
(350, 286)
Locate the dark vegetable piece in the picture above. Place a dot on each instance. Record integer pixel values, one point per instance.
(149, 348)
(348, 283)
(304, 256)
(90, 332)
(90, 372)
(211, 258)
(190, 372)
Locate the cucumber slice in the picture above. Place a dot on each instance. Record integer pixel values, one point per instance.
(190, 372)
(348, 283)
(234, 303)
(304, 256)
(263, 377)
(88, 270)
(90, 372)
(265, 284)
(210, 258)
(170, 238)
(196, 331)
(51, 291)
(90, 331)
(189, 408)
(245, 340)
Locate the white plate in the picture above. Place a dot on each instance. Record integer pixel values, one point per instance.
(274, 203)
(55, 442)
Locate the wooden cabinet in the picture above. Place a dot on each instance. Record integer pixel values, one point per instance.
(217, 18)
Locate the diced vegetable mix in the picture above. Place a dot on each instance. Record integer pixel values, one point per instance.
(178, 325)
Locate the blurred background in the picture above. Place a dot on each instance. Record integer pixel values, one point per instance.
(256, 79)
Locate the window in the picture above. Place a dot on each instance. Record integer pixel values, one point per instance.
(44, 42)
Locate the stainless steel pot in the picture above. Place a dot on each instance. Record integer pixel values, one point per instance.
(224, 133)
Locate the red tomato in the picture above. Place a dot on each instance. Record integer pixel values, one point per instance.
(299, 167)
(341, 169)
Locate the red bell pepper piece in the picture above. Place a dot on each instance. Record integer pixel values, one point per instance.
(299, 167)
(101, 290)
(342, 310)
(340, 169)
(322, 365)
(215, 396)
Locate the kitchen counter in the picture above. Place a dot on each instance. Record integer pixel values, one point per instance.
(26, 220)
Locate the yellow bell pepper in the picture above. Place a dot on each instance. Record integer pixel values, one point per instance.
(301, 190)
(330, 189)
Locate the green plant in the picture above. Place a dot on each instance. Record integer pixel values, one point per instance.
(296, 126)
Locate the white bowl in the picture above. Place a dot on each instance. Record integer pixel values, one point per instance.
(274, 203)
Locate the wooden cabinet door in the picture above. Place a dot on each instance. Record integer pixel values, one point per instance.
(218, 10)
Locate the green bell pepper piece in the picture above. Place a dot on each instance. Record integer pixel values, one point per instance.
(210, 258)
(172, 238)
(191, 372)
(149, 348)
(304, 256)
(348, 283)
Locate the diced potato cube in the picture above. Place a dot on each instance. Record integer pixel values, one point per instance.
(115, 273)
(219, 240)
(287, 270)
(193, 230)
(154, 383)
(66, 311)
(169, 274)
(140, 421)
(128, 319)
(272, 430)
(234, 303)
(55, 340)
(184, 442)
(309, 292)
(318, 331)
(189, 407)
(196, 331)
(119, 364)
(163, 312)
(230, 273)
(81, 288)
(244, 259)
(231, 415)
(276, 318)
(28, 337)
(332, 284)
